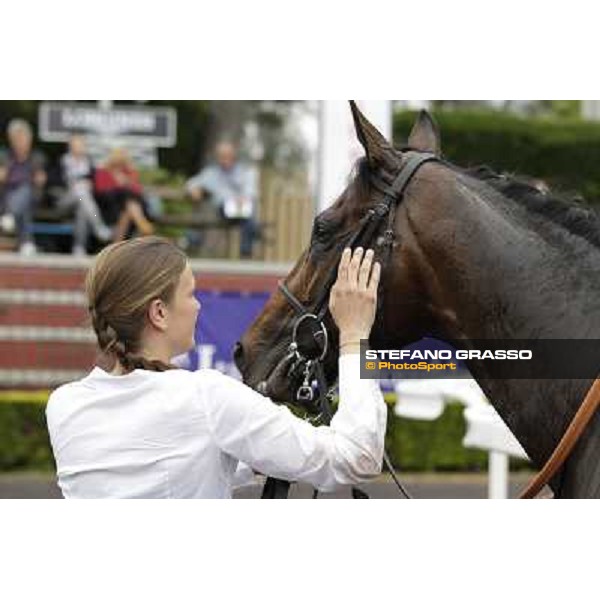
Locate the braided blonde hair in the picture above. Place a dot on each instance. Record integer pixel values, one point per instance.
(124, 279)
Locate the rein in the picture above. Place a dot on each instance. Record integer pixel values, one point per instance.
(582, 417)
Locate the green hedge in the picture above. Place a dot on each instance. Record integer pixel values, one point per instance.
(412, 445)
(24, 442)
(563, 152)
(415, 445)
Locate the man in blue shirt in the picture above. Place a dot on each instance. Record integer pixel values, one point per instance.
(231, 188)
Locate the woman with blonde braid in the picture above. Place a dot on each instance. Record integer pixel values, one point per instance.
(146, 429)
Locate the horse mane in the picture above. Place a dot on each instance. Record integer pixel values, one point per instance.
(571, 214)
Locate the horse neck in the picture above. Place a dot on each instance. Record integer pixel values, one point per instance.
(495, 277)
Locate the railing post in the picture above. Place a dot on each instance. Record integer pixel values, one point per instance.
(497, 475)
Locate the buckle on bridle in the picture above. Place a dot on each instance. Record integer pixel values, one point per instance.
(305, 392)
(323, 332)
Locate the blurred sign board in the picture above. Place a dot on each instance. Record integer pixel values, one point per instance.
(139, 129)
(155, 125)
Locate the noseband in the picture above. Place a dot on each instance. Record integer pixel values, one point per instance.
(312, 366)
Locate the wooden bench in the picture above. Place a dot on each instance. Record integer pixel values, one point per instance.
(231, 228)
(187, 221)
(184, 215)
(52, 221)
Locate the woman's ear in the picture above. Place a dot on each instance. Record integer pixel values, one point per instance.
(158, 314)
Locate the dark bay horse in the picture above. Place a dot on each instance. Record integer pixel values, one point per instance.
(475, 256)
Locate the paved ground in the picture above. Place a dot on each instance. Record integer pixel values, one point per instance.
(433, 485)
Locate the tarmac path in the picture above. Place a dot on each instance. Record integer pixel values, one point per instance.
(424, 486)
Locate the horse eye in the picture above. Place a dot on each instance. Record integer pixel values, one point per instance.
(325, 229)
(317, 232)
(323, 235)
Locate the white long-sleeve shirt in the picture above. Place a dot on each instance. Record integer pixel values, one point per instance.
(180, 434)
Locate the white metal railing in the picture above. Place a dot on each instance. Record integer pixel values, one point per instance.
(426, 399)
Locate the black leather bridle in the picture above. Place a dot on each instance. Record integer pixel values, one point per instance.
(312, 364)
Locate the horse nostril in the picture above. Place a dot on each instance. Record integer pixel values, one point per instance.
(238, 353)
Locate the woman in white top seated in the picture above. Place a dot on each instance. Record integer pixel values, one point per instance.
(146, 429)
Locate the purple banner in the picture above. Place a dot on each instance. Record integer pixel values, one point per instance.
(224, 317)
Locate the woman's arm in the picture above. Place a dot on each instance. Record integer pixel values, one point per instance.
(273, 441)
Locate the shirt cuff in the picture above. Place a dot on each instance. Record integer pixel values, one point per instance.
(349, 363)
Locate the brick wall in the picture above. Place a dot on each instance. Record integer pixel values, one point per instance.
(45, 336)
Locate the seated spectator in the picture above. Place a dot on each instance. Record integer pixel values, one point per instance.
(120, 196)
(22, 177)
(77, 173)
(231, 187)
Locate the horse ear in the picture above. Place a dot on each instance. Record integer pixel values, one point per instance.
(425, 135)
(372, 140)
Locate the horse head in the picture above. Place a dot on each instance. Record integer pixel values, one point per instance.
(402, 315)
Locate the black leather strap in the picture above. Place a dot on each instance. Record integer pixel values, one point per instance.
(291, 298)
(412, 165)
(275, 489)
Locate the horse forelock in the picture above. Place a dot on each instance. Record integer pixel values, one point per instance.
(338, 221)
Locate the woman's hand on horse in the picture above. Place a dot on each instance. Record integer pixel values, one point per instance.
(353, 298)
